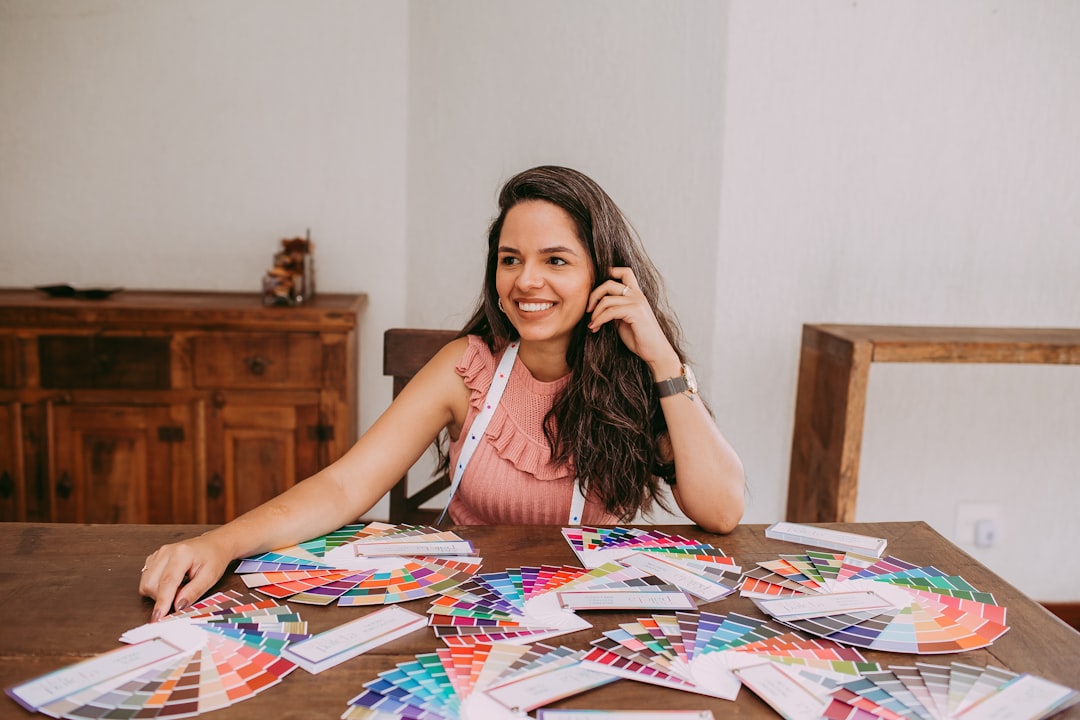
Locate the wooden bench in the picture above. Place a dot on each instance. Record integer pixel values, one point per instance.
(831, 398)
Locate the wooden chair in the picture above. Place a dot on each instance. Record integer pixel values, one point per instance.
(405, 351)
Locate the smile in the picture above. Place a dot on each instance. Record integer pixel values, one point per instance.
(535, 307)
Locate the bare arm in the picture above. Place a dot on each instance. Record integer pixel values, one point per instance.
(710, 483)
(710, 476)
(436, 398)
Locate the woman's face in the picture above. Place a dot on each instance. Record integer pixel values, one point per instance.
(543, 274)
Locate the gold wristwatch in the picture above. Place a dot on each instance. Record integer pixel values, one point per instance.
(683, 382)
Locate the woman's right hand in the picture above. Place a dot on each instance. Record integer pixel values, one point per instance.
(199, 561)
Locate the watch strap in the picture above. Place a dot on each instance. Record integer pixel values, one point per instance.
(672, 386)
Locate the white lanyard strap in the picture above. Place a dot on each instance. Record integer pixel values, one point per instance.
(577, 504)
(479, 425)
(480, 422)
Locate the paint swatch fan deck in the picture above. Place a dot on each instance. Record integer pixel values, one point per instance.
(363, 564)
(498, 681)
(881, 604)
(220, 651)
(529, 604)
(925, 691)
(704, 653)
(698, 568)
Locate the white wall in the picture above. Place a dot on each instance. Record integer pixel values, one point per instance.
(845, 162)
(628, 92)
(891, 162)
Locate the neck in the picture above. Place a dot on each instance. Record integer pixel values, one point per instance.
(545, 361)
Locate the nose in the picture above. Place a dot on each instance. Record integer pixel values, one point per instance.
(530, 276)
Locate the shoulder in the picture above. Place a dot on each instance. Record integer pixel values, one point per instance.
(466, 358)
(475, 359)
(436, 389)
(446, 360)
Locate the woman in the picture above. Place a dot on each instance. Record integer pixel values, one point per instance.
(566, 400)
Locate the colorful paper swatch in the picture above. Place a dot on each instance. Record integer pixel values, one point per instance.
(562, 714)
(939, 692)
(218, 652)
(497, 681)
(338, 567)
(885, 604)
(344, 642)
(596, 546)
(522, 605)
(698, 652)
(698, 568)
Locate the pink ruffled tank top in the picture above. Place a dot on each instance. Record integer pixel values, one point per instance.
(510, 478)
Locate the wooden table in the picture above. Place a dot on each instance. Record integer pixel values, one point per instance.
(834, 368)
(67, 592)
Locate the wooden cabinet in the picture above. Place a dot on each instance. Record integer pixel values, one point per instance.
(169, 407)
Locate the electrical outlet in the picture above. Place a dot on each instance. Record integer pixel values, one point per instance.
(978, 524)
(985, 532)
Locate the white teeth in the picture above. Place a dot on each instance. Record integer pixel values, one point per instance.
(534, 307)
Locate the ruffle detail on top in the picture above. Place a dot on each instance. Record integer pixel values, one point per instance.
(476, 367)
(514, 438)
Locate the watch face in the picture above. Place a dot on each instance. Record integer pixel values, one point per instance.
(691, 379)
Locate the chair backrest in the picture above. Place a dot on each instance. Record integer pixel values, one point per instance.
(405, 351)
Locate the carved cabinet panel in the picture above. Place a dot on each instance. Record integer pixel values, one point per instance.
(169, 407)
(116, 463)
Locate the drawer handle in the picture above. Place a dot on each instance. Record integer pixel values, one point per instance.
(257, 365)
(7, 485)
(215, 486)
(64, 486)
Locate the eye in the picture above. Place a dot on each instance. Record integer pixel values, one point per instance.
(557, 261)
(508, 260)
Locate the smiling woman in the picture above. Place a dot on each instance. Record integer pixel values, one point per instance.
(543, 278)
(566, 399)
(568, 278)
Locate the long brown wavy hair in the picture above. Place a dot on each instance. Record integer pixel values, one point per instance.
(607, 422)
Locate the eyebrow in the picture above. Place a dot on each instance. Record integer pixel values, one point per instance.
(543, 251)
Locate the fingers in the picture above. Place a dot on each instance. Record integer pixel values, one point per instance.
(622, 284)
(163, 605)
(165, 572)
(160, 582)
(198, 583)
(621, 301)
(625, 276)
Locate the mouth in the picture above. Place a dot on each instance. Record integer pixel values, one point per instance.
(532, 307)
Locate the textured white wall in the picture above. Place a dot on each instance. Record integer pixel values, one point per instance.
(891, 162)
(846, 162)
(628, 92)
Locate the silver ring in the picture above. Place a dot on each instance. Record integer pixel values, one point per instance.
(144, 568)
(625, 290)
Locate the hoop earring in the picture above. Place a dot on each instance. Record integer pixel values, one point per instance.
(501, 307)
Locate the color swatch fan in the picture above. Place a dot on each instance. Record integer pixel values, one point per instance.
(939, 692)
(218, 652)
(496, 681)
(703, 652)
(885, 604)
(363, 564)
(521, 605)
(699, 568)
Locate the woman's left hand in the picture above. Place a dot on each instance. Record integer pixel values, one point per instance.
(621, 301)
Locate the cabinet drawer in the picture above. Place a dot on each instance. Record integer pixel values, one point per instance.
(255, 360)
(113, 362)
